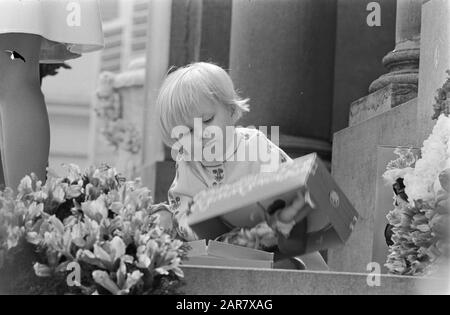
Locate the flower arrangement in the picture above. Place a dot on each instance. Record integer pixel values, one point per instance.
(121, 134)
(86, 233)
(420, 220)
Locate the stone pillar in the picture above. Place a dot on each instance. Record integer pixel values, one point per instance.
(434, 60)
(183, 40)
(282, 58)
(387, 116)
(400, 84)
(357, 62)
(157, 63)
(185, 32)
(216, 32)
(355, 160)
(199, 31)
(403, 61)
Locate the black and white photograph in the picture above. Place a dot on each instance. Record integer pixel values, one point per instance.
(224, 152)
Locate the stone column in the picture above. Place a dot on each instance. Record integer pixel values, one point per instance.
(434, 60)
(199, 31)
(400, 84)
(357, 62)
(216, 32)
(356, 162)
(403, 61)
(157, 63)
(282, 58)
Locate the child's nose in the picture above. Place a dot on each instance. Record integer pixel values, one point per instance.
(198, 134)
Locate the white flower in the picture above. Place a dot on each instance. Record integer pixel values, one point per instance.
(14, 235)
(390, 176)
(95, 209)
(105, 254)
(25, 187)
(125, 283)
(58, 194)
(435, 155)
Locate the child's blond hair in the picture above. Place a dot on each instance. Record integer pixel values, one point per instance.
(183, 91)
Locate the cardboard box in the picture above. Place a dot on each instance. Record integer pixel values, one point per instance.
(242, 203)
(226, 255)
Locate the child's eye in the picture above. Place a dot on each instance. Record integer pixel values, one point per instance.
(208, 120)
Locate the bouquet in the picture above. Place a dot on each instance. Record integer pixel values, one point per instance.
(86, 233)
(420, 218)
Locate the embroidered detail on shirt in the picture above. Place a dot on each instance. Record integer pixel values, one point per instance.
(218, 174)
(175, 202)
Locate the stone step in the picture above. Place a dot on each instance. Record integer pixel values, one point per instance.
(230, 281)
(381, 101)
(355, 167)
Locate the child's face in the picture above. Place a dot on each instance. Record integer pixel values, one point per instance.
(215, 115)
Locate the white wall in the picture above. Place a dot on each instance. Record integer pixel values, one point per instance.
(68, 96)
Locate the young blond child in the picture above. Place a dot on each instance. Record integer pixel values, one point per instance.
(198, 108)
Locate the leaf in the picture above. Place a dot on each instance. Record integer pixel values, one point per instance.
(116, 206)
(33, 238)
(73, 191)
(35, 209)
(62, 267)
(132, 279)
(423, 227)
(178, 272)
(102, 278)
(118, 247)
(121, 275)
(89, 258)
(101, 254)
(57, 224)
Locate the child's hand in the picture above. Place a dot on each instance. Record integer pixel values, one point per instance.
(283, 218)
(165, 216)
(166, 220)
